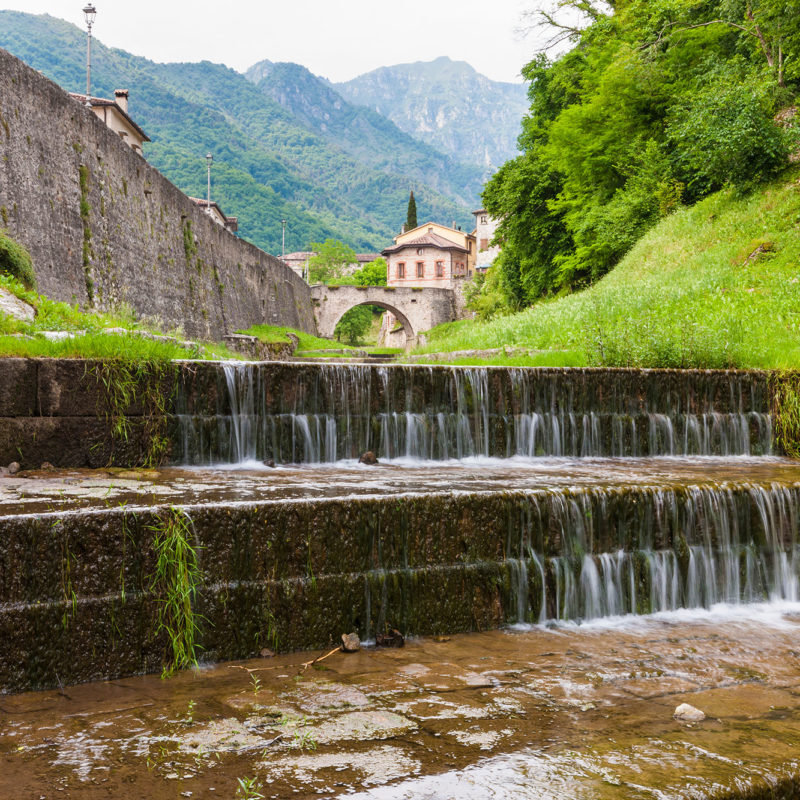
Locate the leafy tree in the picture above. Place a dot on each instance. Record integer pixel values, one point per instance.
(354, 325)
(659, 103)
(330, 262)
(371, 274)
(411, 215)
(726, 133)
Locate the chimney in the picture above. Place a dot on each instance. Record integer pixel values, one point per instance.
(403, 228)
(121, 99)
(454, 226)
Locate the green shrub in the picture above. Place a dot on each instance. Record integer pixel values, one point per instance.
(16, 261)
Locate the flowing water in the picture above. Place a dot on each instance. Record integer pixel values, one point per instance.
(643, 509)
(441, 413)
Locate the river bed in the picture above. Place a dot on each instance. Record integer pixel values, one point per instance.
(533, 712)
(58, 490)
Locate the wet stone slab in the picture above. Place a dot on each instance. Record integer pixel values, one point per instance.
(37, 491)
(567, 712)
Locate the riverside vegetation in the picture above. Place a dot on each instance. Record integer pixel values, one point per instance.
(715, 285)
(656, 106)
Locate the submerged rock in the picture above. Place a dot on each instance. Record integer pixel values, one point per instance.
(350, 642)
(368, 458)
(686, 713)
(391, 639)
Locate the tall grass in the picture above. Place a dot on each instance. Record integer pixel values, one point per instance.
(91, 337)
(714, 285)
(176, 580)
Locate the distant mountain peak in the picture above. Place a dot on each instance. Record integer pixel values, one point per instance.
(448, 105)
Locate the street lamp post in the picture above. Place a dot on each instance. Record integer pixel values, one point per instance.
(209, 159)
(283, 238)
(89, 14)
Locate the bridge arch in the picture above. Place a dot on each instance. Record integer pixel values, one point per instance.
(416, 309)
(408, 328)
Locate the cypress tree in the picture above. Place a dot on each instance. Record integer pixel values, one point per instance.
(411, 216)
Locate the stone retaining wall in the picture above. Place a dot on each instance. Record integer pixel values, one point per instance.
(105, 228)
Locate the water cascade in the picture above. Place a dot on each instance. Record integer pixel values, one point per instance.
(325, 413)
(583, 555)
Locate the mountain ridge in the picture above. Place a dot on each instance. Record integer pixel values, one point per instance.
(268, 164)
(363, 133)
(447, 104)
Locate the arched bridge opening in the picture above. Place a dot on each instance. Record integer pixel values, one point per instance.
(416, 309)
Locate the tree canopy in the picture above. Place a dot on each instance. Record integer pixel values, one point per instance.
(657, 104)
(411, 214)
(330, 261)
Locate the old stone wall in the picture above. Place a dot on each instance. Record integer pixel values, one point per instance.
(105, 228)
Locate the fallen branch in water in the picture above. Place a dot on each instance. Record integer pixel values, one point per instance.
(307, 664)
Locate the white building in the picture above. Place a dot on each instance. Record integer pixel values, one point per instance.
(115, 115)
(485, 228)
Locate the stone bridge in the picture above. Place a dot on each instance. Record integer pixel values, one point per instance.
(416, 309)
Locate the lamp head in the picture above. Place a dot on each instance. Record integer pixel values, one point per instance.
(209, 158)
(89, 13)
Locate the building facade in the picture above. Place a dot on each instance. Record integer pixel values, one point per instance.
(485, 229)
(115, 115)
(431, 255)
(216, 213)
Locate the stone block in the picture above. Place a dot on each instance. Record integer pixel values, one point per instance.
(17, 387)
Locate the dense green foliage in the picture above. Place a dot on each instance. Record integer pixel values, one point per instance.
(716, 284)
(657, 105)
(411, 213)
(330, 261)
(270, 163)
(15, 261)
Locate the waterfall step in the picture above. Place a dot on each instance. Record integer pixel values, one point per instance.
(307, 554)
(324, 413)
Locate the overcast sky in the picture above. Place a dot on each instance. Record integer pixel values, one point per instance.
(337, 39)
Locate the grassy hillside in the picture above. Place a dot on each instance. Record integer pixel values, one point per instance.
(714, 285)
(268, 164)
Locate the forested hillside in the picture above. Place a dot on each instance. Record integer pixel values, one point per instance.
(362, 133)
(268, 164)
(656, 106)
